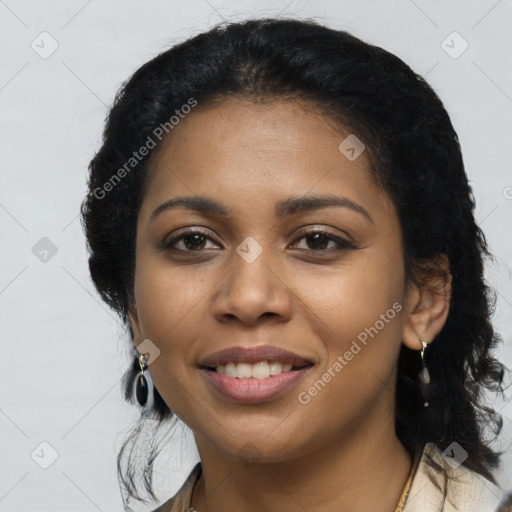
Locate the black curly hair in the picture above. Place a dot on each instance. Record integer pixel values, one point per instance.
(415, 157)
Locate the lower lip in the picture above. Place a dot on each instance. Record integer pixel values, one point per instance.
(254, 390)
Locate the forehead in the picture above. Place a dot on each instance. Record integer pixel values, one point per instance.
(280, 148)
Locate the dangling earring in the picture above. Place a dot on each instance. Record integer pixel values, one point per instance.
(424, 375)
(141, 389)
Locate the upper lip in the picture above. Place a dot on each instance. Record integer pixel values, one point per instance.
(253, 355)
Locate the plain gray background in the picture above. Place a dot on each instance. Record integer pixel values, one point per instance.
(63, 351)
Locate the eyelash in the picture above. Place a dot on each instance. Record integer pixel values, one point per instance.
(342, 243)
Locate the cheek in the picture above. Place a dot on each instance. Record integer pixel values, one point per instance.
(358, 317)
(354, 297)
(168, 299)
(171, 310)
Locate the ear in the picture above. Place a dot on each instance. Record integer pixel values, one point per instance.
(427, 305)
(133, 316)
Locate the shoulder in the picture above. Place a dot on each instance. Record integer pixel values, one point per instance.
(180, 502)
(464, 490)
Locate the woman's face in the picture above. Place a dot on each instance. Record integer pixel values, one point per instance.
(257, 276)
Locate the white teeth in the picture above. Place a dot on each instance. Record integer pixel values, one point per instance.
(275, 368)
(229, 369)
(243, 371)
(260, 370)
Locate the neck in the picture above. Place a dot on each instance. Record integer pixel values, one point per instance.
(366, 470)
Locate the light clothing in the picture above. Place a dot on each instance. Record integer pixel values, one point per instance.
(467, 492)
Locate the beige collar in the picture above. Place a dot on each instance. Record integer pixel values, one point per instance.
(466, 492)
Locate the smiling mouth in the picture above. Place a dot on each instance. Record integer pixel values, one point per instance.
(259, 370)
(252, 383)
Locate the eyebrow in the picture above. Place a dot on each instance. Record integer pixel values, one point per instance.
(286, 207)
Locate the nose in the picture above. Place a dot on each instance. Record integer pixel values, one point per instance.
(253, 293)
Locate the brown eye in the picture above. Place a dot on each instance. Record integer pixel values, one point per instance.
(188, 241)
(317, 241)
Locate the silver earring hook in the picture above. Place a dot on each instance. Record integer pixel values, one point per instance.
(143, 362)
(424, 346)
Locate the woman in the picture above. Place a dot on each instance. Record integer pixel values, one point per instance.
(280, 214)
